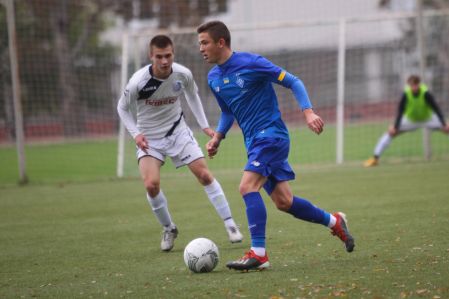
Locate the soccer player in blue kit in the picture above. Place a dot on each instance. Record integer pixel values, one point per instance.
(242, 85)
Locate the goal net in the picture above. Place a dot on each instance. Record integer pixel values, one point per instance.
(375, 66)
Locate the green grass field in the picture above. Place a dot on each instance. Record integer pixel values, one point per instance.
(99, 239)
(97, 159)
(77, 232)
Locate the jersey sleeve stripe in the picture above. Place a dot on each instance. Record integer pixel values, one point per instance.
(281, 76)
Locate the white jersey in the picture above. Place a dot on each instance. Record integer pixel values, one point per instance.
(152, 107)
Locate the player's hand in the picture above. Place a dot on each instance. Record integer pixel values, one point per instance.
(446, 129)
(314, 122)
(392, 131)
(209, 132)
(212, 147)
(142, 142)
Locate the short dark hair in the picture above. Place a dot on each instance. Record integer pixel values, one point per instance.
(414, 79)
(216, 30)
(161, 41)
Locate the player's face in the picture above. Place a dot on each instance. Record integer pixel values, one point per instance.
(210, 49)
(414, 88)
(162, 59)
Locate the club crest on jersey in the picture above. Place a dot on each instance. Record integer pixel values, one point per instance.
(177, 85)
(240, 82)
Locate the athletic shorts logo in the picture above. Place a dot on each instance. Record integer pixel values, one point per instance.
(185, 158)
(217, 89)
(255, 163)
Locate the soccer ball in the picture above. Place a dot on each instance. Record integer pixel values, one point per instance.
(201, 255)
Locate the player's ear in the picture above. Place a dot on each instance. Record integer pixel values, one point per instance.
(221, 43)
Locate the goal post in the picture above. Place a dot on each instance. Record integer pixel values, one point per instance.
(123, 80)
(15, 78)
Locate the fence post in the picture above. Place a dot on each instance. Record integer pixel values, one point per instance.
(340, 92)
(427, 148)
(18, 115)
(123, 80)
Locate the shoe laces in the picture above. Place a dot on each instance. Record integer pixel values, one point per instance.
(232, 229)
(168, 234)
(249, 254)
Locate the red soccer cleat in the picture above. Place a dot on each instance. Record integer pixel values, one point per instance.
(250, 261)
(340, 230)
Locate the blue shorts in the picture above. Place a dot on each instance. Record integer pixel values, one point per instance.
(268, 157)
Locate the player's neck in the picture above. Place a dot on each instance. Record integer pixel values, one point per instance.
(225, 57)
(160, 75)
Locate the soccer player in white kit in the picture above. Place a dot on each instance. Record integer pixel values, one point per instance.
(150, 109)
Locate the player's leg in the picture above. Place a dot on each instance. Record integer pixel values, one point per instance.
(382, 144)
(434, 123)
(216, 196)
(260, 154)
(256, 258)
(150, 172)
(303, 209)
(385, 140)
(186, 151)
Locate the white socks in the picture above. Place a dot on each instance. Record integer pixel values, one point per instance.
(218, 200)
(260, 251)
(214, 193)
(382, 144)
(159, 206)
(332, 221)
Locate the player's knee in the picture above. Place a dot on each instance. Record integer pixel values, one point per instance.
(245, 188)
(283, 202)
(283, 205)
(205, 177)
(152, 187)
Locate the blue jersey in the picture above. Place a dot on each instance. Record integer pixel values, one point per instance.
(243, 88)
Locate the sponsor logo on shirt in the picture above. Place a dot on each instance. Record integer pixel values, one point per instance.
(226, 80)
(160, 102)
(149, 88)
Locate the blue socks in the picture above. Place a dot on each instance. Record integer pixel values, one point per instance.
(257, 215)
(257, 218)
(304, 210)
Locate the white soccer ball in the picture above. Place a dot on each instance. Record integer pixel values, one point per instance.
(201, 255)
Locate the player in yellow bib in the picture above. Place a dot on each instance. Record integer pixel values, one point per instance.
(417, 109)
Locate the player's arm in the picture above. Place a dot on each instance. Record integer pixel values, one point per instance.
(275, 74)
(194, 102)
(399, 114)
(123, 110)
(224, 124)
(314, 122)
(433, 104)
